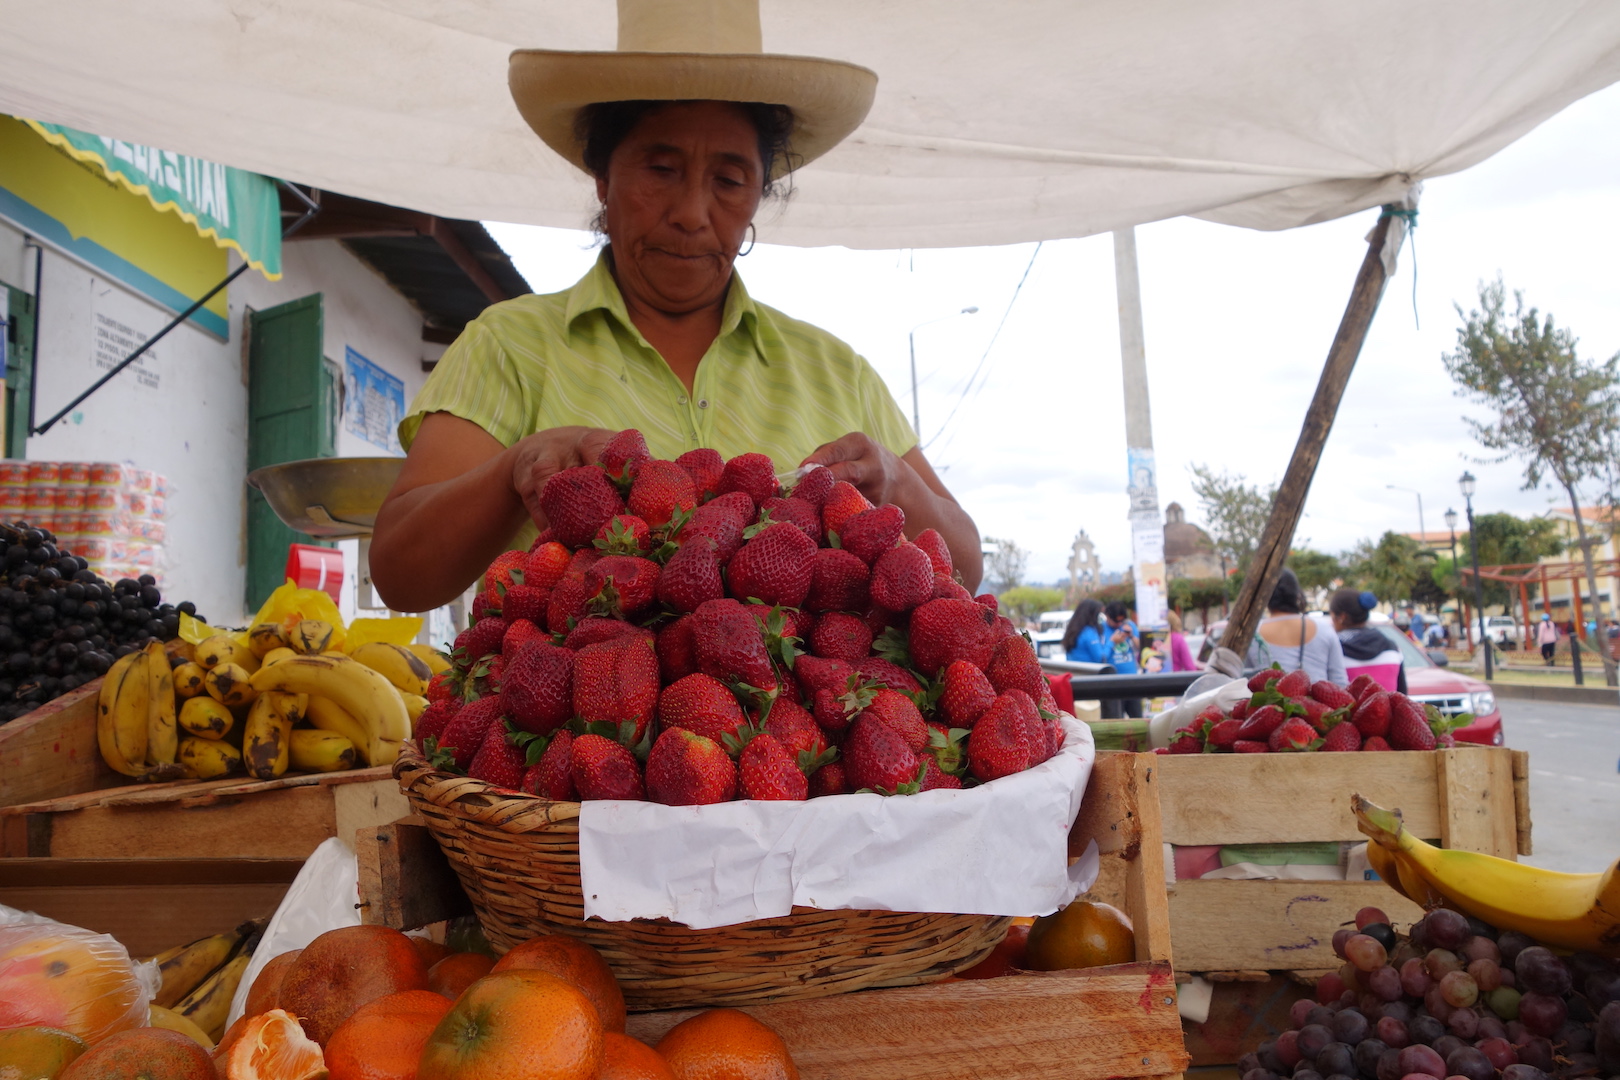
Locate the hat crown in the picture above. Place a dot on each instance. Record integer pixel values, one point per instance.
(690, 26)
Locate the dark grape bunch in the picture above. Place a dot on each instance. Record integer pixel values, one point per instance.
(1455, 1000)
(62, 626)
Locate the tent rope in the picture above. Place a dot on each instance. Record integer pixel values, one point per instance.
(1410, 217)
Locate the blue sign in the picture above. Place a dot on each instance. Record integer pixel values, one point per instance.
(373, 402)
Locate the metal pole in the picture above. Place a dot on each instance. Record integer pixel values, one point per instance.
(1142, 485)
(1458, 597)
(1479, 589)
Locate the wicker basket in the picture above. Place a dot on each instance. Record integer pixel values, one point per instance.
(518, 858)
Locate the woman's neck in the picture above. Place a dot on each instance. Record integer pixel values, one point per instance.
(682, 338)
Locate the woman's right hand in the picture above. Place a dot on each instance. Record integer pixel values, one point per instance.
(537, 458)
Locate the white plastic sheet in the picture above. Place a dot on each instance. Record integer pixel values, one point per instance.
(997, 849)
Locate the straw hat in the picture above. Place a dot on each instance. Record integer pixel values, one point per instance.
(690, 50)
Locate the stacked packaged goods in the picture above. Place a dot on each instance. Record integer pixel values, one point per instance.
(111, 513)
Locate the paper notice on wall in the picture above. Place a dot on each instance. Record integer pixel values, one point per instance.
(119, 326)
(1147, 538)
(373, 402)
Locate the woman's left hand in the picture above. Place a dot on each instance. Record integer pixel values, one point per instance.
(864, 462)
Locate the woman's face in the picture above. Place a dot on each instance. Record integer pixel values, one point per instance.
(679, 195)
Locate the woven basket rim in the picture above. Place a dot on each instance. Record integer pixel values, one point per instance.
(501, 808)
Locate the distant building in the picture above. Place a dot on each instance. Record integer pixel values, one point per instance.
(1188, 550)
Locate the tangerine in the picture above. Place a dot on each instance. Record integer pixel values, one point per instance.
(726, 1044)
(577, 962)
(626, 1058)
(143, 1054)
(458, 971)
(344, 969)
(383, 1040)
(1005, 958)
(67, 978)
(272, 1046)
(38, 1053)
(1084, 934)
(516, 1025)
(265, 993)
(432, 952)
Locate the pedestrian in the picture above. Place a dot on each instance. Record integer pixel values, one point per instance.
(1293, 639)
(1085, 642)
(1121, 642)
(1181, 657)
(1366, 650)
(1417, 621)
(1547, 638)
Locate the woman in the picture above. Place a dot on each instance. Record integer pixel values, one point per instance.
(1292, 639)
(1181, 657)
(1366, 651)
(1082, 641)
(685, 132)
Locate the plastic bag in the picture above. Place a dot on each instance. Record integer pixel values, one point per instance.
(290, 605)
(400, 631)
(1201, 694)
(61, 976)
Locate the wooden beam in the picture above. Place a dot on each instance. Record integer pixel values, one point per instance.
(440, 230)
(439, 335)
(1268, 560)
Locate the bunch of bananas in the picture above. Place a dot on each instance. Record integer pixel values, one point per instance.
(1571, 911)
(199, 980)
(283, 700)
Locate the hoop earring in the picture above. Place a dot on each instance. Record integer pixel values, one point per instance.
(751, 240)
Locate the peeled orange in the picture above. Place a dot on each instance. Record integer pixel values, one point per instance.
(272, 1046)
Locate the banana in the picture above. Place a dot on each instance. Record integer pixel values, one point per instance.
(415, 706)
(266, 637)
(313, 750)
(184, 967)
(169, 1020)
(1571, 911)
(206, 759)
(359, 691)
(398, 665)
(224, 649)
(162, 737)
(121, 720)
(311, 636)
(206, 718)
(180, 651)
(267, 735)
(210, 1003)
(230, 684)
(276, 656)
(328, 715)
(433, 658)
(188, 679)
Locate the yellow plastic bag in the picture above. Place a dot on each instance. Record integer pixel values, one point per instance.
(290, 605)
(400, 631)
(195, 631)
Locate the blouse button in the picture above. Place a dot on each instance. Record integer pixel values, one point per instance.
(703, 403)
(681, 400)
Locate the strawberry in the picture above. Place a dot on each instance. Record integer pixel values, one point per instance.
(945, 748)
(1262, 722)
(947, 588)
(830, 779)
(773, 567)
(525, 602)
(623, 456)
(480, 639)
(796, 729)
(723, 521)
(705, 467)
(519, 634)
(933, 544)
(1315, 712)
(662, 490)
(486, 605)
(820, 673)
(839, 581)
(1343, 736)
(434, 718)
(1293, 734)
(945, 630)
(621, 585)
(579, 501)
(617, 682)
(902, 578)
(624, 534)
(1294, 684)
(1362, 685)
(796, 512)
(830, 712)
(677, 650)
(841, 636)
(767, 770)
(686, 769)
(702, 705)
(1372, 715)
(602, 769)
(1408, 726)
(537, 687)
(566, 605)
(988, 600)
(498, 761)
(1007, 739)
(752, 474)
(589, 631)
(443, 686)
(1223, 733)
(545, 565)
(466, 732)
(842, 503)
(1262, 679)
(900, 713)
(692, 575)
(1241, 709)
(1184, 743)
(1376, 742)
(966, 694)
(888, 673)
(1249, 746)
(552, 777)
(814, 486)
(1013, 666)
(730, 645)
(872, 532)
(1054, 736)
(878, 758)
(1332, 695)
(499, 575)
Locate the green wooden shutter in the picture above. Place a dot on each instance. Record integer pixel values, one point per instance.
(291, 416)
(19, 351)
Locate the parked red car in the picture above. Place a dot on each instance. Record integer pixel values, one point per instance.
(1449, 691)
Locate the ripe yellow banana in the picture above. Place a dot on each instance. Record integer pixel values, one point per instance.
(188, 679)
(209, 1004)
(169, 1020)
(265, 638)
(311, 636)
(415, 706)
(398, 665)
(230, 684)
(206, 718)
(184, 967)
(1571, 911)
(359, 691)
(162, 736)
(224, 649)
(314, 750)
(275, 656)
(267, 734)
(433, 658)
(207, 759)
(328, 715)
(121, 715)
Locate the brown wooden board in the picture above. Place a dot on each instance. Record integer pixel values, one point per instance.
(405, 880)
(1271, 925)
(52, 750)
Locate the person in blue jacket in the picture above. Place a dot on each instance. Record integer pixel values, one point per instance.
(1082, 641)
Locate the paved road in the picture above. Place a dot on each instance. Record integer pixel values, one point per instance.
(1574, 781)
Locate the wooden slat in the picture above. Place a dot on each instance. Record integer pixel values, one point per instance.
(1271, 925)
(52, 750)
(1521, 800)
(1084, 1025)
(84, 873)
(1476, 801)
(1120, 811)
(405, 880)
(1109, 811)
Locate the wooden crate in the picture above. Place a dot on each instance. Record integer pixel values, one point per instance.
(1096, 1024)
(52, 751)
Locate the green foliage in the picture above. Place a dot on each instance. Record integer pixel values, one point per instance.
(1392, 568)
(1004, 568)
(1236, 512)
(1125, 594)
(1022, 602)
(1315, 569)
(1197, 594)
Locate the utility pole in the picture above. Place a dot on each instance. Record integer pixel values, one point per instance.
(1147, 528)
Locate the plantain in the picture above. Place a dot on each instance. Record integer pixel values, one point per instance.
(328, 715)
(314, 750)
(162, 736)
(184, 967)
(169, 1020)
(208, 759)
(275, 656)
(206, 718)
(265, 638)
(210, 1003)
(433, 658)
(311, 636)
(230, 684)
(188, 680)
(415, 706)
(398, 665)
(121, 715)
(367, 697)
(180, 651)
(267, 735)
(224, 649)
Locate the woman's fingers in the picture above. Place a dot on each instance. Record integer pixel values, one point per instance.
(544, 454)
(861, 461)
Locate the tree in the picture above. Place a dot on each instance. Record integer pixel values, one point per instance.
(1558, 414)
(1023, 602)
(1004, 568)
(1392, 568)
(1236, 512)
(1199, 594)
(1316, 570)
(1503, 540)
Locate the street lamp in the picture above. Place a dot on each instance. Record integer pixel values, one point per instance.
(1466, 483)
(1423, 535)
(1451, 526)
(911, 337)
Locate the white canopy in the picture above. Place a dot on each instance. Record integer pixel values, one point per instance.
(994, 123)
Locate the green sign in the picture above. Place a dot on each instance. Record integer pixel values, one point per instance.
(234, 208)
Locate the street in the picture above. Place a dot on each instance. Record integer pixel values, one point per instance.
(1574, 781)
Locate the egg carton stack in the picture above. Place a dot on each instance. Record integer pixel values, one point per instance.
(111, 513)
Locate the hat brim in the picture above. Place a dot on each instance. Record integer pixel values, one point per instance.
(829, 98)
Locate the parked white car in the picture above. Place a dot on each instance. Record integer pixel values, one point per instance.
(1048, 634)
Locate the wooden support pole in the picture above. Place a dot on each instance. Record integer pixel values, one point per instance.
(1272, 552)
(1524, 603)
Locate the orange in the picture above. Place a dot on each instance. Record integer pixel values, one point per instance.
(726, 1044)
(265, 993)
(67, 978)
(1084, 934)
(383, 1040)
(143, 1054)
(30, 1053)
(342, 970)
(458, 971)
(1004, 959)
(432, 952)
(577, 962)
(624, 1058)
(271, 1046)
(516, 1025)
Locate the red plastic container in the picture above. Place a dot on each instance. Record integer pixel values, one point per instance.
(312, 567)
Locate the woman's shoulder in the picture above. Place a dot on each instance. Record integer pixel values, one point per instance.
(779, 330)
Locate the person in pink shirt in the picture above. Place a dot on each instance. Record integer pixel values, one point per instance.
(1366, 651)
(1181, 657)
(1547, 638)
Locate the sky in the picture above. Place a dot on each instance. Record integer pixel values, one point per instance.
(1237, 325)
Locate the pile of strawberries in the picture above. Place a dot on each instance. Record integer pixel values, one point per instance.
(689, 632)
(1288, 712)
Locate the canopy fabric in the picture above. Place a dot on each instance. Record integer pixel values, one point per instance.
(993, 124)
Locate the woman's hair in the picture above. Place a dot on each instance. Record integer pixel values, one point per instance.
(1286, 595)
(1353, 605)
(1174, 620)
(601, 127)
(1085, 614)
